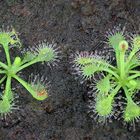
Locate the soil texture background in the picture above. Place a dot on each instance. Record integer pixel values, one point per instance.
(75, 25)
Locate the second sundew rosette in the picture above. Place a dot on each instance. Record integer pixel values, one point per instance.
(108, 77)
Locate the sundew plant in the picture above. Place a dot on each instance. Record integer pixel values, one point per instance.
(42, 52)
(109, 77)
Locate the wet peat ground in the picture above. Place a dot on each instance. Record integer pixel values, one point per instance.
(76, 25)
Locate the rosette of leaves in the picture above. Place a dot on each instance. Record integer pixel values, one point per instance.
(42, 52)
(122, 74)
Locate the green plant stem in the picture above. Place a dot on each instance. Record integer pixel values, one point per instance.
(2, 71)
(104, 63)
(133, 52)
(8, 92)
(3, 65)
(134, 76)
(26, 65)
(115, 91)
(134, 66)
(111, 72)
(122, 64)
(134, 71)
(126, 93)
(2, 79)
(117, 58)
(25, 84)
(7, 56)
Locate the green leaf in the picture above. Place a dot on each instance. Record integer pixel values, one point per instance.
(104, 85)
(89, 70)
(46, 54)
(5, 106)
(37, 90)
(132, 111)
(104, 105)
(115, 39)
(41, 92)
(90, 66)
(9, 39)
(84, 60)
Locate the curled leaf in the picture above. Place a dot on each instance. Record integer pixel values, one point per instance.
(39, 86)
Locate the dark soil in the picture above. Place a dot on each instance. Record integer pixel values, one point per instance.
(74, 25)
